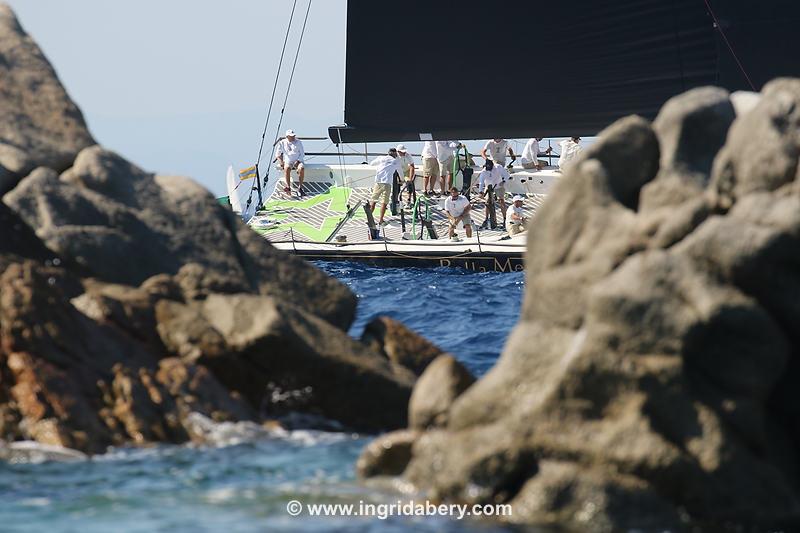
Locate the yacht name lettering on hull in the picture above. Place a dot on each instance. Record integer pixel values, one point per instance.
(486, 265)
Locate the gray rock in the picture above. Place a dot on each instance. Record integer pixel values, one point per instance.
(104, 210)
(651, 380)
(691, 129)
(400, 344)
(763, 145)
(39, 123)
(567, 495)
(388, 455)
(286, 360)
(436, 390)
(595, 202)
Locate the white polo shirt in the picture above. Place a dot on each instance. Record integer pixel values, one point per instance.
(569, 151)
(405, 161)
(429, 150)
(530, 154)
(292, 151)
(456, 207)
(494, 177)
(387, 166)
(497, 151)
(514, 209)
(445, 150)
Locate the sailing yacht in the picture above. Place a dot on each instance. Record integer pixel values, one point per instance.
(520, 76)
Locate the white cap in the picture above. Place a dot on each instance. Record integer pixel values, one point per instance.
(401, 148)
(518, 198)
(290, 133)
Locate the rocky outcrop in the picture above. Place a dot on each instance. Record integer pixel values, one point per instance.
(284, 359)
(649, 382)
(443, 381)
(80, 383)
(135, 309)
(104, 210)
(39, 123)
(399, 344)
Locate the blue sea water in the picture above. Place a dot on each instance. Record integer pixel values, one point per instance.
(245, 484)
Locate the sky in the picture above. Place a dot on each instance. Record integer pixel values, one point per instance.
(182, 86)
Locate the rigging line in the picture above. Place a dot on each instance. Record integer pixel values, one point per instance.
(339, 151)
(730, 47)
(291, 78)
(275, 86)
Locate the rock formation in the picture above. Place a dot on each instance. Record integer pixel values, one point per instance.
(399, 344)
(133, 305)
(650, 382)
(39, 123)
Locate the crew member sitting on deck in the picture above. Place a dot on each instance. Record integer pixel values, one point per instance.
(457, 208)
(493, 176)
(409, 170)
(496, 149)
(384, 177)
(569, 151)
(530, 154)
(515, 216)
(290, 155)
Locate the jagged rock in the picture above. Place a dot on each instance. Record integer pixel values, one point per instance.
(388, 455)
(39, 123)
(400, 344)
(436, 390)
(651, 381)
(197, 392)
(283, 359)
(131, 309)
(104, 210)
(18, 241)
(691, 129)
(763, 145)
(72, 381)
(566, 495)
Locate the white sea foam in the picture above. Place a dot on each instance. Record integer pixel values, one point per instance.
(220, 434)
(32, 452)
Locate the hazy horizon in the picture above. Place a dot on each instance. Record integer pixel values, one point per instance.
(182, 87)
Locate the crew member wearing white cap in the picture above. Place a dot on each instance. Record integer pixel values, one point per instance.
(445, 153)
(515, 217)
(384, 177)
(290, 155)
(494, 176)
(409, 172)
(495, 149)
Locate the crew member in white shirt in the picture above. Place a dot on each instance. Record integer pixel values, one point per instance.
(496, 150)
(445, 153)
(515, 216)
(384, 177)
(569, 151)
(409, 172)
(290, 155)
(494, 176)
(457, 208)
(530, 154)
(430, 167)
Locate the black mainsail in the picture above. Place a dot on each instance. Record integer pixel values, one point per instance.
(483, 70)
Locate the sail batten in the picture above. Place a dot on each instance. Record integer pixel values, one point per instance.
(466, 69)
